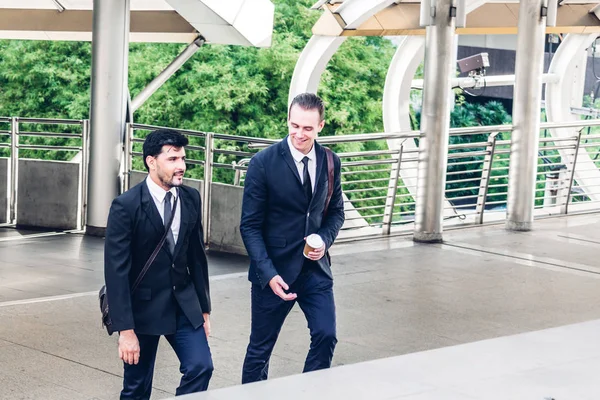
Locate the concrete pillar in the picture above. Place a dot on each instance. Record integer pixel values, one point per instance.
(110, 48)
(435, 123)
(526, 115)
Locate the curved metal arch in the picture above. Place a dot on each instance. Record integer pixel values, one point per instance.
(569, 64)
(318, 51)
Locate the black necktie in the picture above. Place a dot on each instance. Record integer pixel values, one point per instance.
(168, 209)
(306, 183)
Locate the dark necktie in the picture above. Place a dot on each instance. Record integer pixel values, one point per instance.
(306, 183)
(168, 209)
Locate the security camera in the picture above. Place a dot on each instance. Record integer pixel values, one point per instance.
(474, 65)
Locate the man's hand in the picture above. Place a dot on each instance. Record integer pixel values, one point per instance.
(206, 324)
(316, 254)
(278, 286)
(129, 347)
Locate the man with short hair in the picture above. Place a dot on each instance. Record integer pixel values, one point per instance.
(173, 298)
(286, 199)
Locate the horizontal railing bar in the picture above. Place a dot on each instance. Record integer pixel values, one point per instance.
(462, 180)
(570, 124)
(473, 196)
(461, 189)
(366, 190)
(369, 162)
(51, 121)
(366, 181)
(470, 171)
(233, 153)
(52, 148)
(365, 199)
(474, 145)
(559, 139)
(451, 164)
(372, 153)
(50, 134)
(370, 171)
(468, 154)
(369, 207)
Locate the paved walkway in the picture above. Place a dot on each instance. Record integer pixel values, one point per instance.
(393, 297)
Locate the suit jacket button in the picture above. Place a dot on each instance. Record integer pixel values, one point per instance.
(174, 287)
(173, 265)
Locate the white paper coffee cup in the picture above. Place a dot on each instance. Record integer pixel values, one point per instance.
(313, 242)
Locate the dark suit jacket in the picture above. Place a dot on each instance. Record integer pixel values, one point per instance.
(133, 231)
(276, 215)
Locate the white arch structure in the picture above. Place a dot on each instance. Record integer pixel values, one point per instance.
(569, 65)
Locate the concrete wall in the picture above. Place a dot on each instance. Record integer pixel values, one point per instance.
(48, 194)
(226, 210)
(4, 204)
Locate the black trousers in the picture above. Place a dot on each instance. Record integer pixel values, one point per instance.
(191, 347)
(269, 311)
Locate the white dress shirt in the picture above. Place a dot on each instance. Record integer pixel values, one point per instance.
(158, 195)
(312, 162)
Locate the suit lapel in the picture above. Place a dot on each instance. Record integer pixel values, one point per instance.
(186, 206)
(287, 156)
(150, 209)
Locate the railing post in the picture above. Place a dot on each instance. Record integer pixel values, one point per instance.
(486, 174)
(127, 156)
(14, 168)
(565, 209)
(83, 170)
(390, 200)
(208, 167)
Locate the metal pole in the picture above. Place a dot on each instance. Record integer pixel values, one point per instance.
(166, 73)
(110, 47)
(486, 173)
(524, 146)
(14, 168)
(127, 157)
(85, 156)
(572, 173)
(390, 201)
(208, 167)
(435, 123)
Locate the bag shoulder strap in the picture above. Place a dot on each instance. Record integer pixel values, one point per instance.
(330, 166)
(157, 249)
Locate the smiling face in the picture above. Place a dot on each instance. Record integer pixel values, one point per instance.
(167, 169)
(304, 127)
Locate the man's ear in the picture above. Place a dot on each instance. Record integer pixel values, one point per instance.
(321, 125)
(151, 162)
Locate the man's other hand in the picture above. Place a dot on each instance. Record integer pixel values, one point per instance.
(129, 347)
(206, 324)
(278, 286)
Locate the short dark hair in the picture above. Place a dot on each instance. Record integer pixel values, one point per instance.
(309, 101)
(157, 139)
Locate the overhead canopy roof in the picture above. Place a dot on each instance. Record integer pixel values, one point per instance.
(237, 22)
(494, 17)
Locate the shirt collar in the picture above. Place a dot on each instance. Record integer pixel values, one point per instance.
(297, 155)
(157, 192)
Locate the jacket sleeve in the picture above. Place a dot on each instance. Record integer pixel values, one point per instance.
(254, 208)
(198, 263)
(117, 264)
(331, 225)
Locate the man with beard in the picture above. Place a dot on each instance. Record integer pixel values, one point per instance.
(172, 299)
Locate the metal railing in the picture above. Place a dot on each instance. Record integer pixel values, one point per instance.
(379, 183)
(32, 130)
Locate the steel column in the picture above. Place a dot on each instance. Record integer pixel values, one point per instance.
(110, 47)
(435, 123)
(526, 115)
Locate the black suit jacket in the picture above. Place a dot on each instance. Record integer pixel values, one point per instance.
(133, 231)
(276, 214)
